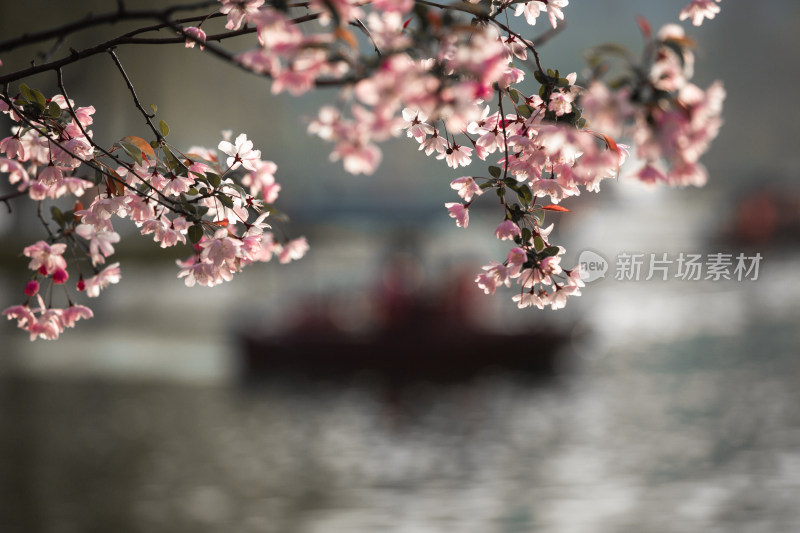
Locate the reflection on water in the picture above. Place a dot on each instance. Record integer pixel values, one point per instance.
(696, 435)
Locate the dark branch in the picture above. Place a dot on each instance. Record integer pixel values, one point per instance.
(10, 196)
(147, 116)
(90, 21)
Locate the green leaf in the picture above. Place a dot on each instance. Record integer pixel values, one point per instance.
(213, 179)
(225, 200)
(550, 251)
(195, 233)
(525, 110)
(164, 128)
(58, 216)
(538, 243)
(172, 162)
(26, 92)
(514, 94)
(132, 150)
(154, 107)
(53, 110)
(495, 171)
(39, 99)
(526, 234)
(526, 194)
(538, 216)
(539, 77)
(192, 191)
(487, 185)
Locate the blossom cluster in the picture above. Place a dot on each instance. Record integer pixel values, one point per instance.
(219, 201)
(448, 76)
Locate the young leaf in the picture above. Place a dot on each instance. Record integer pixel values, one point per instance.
(164, 128)
(53, 110)
(225, 200)
(553, 207)
(141, 144)
(213, 179)
(58, 216)
(26, 92)
(495, 171)
(195, 233)
(132, 150)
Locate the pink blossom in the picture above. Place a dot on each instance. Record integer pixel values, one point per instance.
(496, 274)
(531, 298)
(46, 257)
(262, 182)
(193, 35)
(434, 143)
(241, 153)
(32, 287)
(12, 147)
(177, 185)
(698, 10)
(21, 313)
(517, 257)
(460, 212)
(466, 187)
(457, 156)
(507, 230)
(400, 6)
(358, 158)
(100, 241)
(174, 232)
(73, 313)
(415, 124)
(60, 276)
(17, 173)
(107, 276)
(221, 250)
(50, 175)
(293, 250)
(238, 11)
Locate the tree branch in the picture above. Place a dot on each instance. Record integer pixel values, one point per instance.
(147, 116)
(90, 21)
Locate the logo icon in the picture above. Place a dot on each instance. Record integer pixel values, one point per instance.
(593, 266)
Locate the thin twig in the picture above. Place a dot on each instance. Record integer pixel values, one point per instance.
(10, 196)
(44, 222)
(90, 21)
(503, 122)
(91, 163)
(130, 168)
(147, 116)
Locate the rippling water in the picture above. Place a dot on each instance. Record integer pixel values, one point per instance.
(701, 434)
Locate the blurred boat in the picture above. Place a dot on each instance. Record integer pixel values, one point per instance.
(401, 336)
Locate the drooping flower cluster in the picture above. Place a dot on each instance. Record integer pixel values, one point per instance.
(447, 75)
(170, 197)
(671, 120)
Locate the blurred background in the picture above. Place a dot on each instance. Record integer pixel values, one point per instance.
(371, 386)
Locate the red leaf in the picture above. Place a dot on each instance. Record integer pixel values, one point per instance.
(405, 24)
(644, 26)
(552, 207)
(141, 144)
